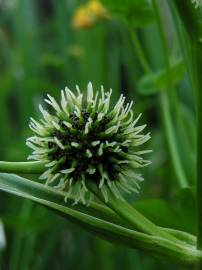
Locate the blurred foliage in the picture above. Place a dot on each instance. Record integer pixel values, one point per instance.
(154, 82)
(42, 52)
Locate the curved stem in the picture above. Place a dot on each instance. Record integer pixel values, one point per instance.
(48, 197)
(131, 215)
(29, 167)
(122, 208)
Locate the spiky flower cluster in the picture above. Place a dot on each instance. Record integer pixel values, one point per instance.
(82, 140)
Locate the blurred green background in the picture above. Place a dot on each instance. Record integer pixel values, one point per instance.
(46, 45)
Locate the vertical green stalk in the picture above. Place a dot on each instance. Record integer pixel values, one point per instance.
(189, 16)
(165, 97)
(197, 49)
(139, 51)
(164, 101)
(192, 23)
(184, 42)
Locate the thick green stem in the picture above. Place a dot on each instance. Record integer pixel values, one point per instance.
(37, 167)
(123, 209)
(116, 232)
(32, 167)
(176, 247)
(131, 215)
(184, 236)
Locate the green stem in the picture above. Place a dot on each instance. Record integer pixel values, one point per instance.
(192, 22)
(131, 215)
(110, 231)
(122, 208)
(197, 48)
(190, 17)
(139, 51)
(156, 245)
(164, 102)
(180, 174)
(183, 236)
(160, 242)
(38, 167)
(165, 106)
(184, 42)
(31, 167)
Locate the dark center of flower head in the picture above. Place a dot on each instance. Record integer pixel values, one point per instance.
(76, 156)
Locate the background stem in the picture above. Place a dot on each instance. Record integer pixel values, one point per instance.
(198, 62)
(164, 102)
(170, 94)
(31, 167)
(191, 21)
(139, 51)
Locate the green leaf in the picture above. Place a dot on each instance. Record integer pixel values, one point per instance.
(179, 214)
(80, 214)
(186, 206)
(159, 211)
(154, 82)
(135, 13)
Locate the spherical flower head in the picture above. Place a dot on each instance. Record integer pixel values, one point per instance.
(82, 140)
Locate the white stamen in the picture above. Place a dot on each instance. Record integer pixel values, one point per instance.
(59, 143)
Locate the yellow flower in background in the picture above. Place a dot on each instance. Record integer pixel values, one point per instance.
(95, 7)
(87, 15)
(82, 18)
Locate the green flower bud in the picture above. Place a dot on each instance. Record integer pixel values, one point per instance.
(82, 140)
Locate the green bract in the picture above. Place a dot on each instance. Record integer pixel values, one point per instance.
(82, 140)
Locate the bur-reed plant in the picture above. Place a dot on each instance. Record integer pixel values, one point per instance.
(81, 148)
